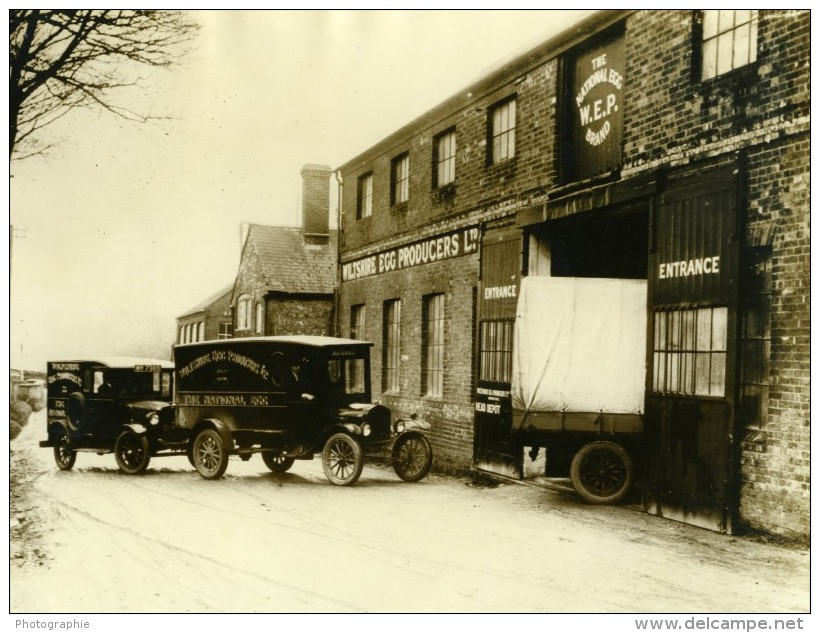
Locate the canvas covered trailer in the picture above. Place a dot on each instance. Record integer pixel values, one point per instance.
(579, 379)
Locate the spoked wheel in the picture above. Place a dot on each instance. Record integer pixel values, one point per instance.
(412, 457)
(277, 463)
(64, 456)
(131, 452)
(342, 460)
(601, 472)
(209, 454)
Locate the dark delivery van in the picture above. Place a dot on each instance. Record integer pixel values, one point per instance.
(289, 398)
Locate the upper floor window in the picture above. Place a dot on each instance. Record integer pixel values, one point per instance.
(225, 331)
(400, 179)
(260, 319)
(729, 40)
(364, 197)
(445, 158)
(243, 313)
(502, 131)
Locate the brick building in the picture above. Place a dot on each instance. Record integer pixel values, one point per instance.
(287, 275)
(208, 320)
(669, 146)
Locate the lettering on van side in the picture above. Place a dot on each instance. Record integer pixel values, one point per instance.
(224, 399)
(216, 356)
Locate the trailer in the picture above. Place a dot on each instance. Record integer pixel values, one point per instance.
(579, 380)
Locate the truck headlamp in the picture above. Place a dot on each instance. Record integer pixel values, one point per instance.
(153, 419)
(366, 430)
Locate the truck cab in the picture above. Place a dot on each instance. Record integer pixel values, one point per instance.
(111, 404)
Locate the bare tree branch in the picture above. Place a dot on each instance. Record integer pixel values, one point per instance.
(64, 59)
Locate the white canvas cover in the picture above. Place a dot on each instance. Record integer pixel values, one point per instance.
(580, 345)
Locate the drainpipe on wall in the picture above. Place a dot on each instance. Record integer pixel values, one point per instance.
(338, 292)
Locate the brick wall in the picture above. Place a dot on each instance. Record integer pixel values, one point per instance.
(477, 185)
(761, 112)
(452, 413)
(776, 459)
(673, 122)
(299, 315)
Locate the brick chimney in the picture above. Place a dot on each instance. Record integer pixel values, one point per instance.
(316, 203)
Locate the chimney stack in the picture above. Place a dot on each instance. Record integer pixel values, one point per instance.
(316, 203)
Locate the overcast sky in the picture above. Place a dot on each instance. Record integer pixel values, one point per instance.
(124, 227)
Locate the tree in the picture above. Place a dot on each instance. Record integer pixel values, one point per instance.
(64, 59)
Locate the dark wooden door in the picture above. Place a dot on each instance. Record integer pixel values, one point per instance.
(692, 352)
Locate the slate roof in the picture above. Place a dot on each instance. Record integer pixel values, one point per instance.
(289, 265)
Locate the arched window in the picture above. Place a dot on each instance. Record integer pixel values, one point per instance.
(243, 313)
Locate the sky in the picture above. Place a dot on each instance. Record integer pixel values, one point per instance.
(123, 226)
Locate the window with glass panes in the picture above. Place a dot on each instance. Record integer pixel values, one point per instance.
(391, 345)
(495, 350)
(364, 197)
(729, 40)
(445, 159)
(503, 131)
(225, 331)
(433, 336)
(260, 319)
(755, 337)
(690, 352)
(355, 376)
(400, 179)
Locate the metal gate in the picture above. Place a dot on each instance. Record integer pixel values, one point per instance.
(494, 450)
(693, 347)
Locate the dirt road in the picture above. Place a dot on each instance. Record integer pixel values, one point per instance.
(93, 540)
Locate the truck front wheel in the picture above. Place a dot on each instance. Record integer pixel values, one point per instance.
(342, 460)
(602, 472)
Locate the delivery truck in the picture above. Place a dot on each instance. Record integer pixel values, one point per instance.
(578, 380)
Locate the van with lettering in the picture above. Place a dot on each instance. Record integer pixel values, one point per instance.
(111, 405)
(290, 398)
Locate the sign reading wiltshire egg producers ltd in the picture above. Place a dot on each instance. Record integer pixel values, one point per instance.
(596, 108)
(426, 251)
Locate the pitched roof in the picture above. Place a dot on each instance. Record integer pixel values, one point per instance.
(199, 307)
(288, 264)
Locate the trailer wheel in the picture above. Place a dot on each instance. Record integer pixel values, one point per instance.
(210, 454)
(277, 463)
(342, 460)
(601, 472)
(131, 453)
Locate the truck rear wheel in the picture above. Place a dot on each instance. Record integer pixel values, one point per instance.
(602, 472)
(64, 456)
(210, 456)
